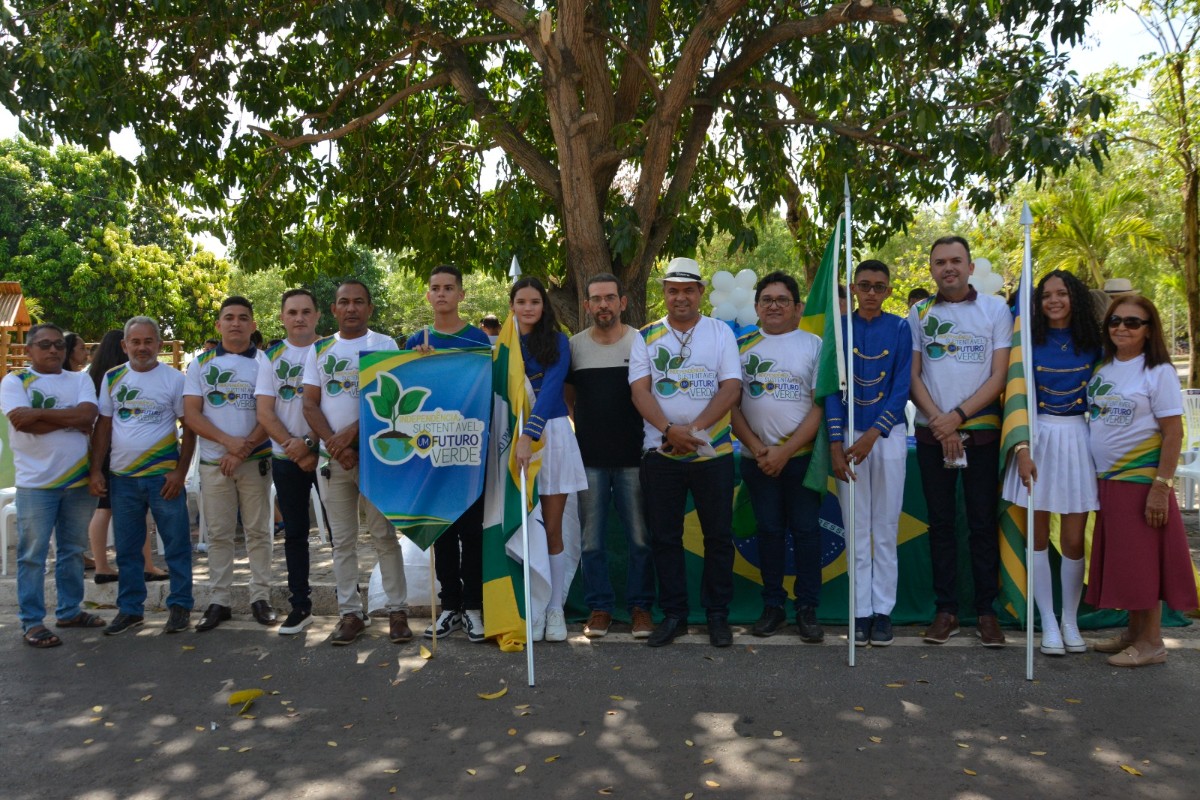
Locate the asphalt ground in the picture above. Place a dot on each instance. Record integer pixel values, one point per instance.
(145, 715)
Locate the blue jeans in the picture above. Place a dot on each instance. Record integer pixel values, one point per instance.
(41, 512)
(783, 508)
(623, 486)
(131, 498)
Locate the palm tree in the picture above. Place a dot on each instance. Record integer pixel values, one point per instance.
(1087, 225)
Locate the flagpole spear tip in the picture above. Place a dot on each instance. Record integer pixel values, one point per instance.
(514, 271)
(1026, 214)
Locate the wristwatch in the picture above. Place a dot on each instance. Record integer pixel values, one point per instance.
(665, 430)
(1168, 482)
(310, 443)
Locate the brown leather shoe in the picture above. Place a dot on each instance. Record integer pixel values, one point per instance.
(348, 629)
(398, 630)
(989, 631)
(643, 623)
(597, 624)
(944, 626)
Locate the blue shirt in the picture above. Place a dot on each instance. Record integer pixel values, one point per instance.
(549, 402)
(467, 336)
(882, 370)
(1061, 375)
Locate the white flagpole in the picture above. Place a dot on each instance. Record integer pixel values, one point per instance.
(432, 572)
(1025, 293)
(525, 557)
(848, 393)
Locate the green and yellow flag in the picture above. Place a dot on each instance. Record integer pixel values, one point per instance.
(822, 317)
(503, 581)
(1013, 431)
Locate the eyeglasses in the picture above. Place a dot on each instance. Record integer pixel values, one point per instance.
(47, 344)
(685, 352)
(868, 288)
(610, 299)
(775, 302)
(1132, 323)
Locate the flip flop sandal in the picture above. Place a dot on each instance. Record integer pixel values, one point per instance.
(41, 638)
(84, 620)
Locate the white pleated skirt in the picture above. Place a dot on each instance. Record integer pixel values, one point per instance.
(562, 466)
(1066, 482)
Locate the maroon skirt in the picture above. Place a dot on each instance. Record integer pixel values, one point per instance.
(1134, 566)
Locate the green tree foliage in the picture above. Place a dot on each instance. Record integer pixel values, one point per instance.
(1082, 224)
(91, 254)
(628, 130)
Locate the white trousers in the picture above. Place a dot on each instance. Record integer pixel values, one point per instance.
(342, 501)
(878, 499)
(249, 491)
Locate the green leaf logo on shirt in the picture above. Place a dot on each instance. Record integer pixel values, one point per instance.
(757, 366)
(934, 328)
(39, 400)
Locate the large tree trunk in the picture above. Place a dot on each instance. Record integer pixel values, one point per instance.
(1191, 269)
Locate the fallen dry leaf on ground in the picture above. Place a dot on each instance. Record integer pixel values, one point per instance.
(493, 695)
(1131, 770)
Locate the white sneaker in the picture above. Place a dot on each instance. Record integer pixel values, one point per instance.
(556, 625)
(473, 624)
(1073, 642)
(447, 623)
(1052, 643)
(539, 628)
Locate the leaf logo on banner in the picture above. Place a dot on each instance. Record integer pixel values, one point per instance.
(389, 404)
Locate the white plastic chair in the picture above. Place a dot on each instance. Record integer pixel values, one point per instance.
(1188, 472)
(8, 514)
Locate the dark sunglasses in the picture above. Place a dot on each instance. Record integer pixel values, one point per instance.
(868, 288)
(47, 344)
(1132, 323)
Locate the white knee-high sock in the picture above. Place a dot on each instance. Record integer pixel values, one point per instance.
(558, 577)
(1072, 588)
(1043, 591)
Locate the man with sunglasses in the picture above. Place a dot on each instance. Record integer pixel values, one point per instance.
(960, 344)
(776, 424)
(873, 455)
(685, 378)
(50, 414)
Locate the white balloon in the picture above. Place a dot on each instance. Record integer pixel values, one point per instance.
(988, 283)
(746, 279)
(717, 297)
(723, 280)
(741, 296)
(725, 311)
(747, 316)
(983, 265)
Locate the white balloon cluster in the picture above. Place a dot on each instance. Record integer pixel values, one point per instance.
(732, 296)
(984, 280)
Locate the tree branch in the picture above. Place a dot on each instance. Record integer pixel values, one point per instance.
(288, 143)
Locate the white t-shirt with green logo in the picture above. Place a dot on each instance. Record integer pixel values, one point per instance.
(682, 386)
(54, 460)
(779, 373)
(956, 342)
(226, 381)
(332, 365)
(144, 408)
(285, 382)
(1126, 402)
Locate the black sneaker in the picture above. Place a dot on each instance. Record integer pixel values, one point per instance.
(773, 618)
(447, 623)
(296, 621)
(806, 623)
(123, 622)
(862, 631)
(178, 621)
(881, 630)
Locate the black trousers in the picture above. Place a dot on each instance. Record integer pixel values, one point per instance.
(981, 488)
(292, 488)
(458, 561)
(665, 486)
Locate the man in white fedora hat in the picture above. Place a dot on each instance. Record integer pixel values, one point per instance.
(1116, 286)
